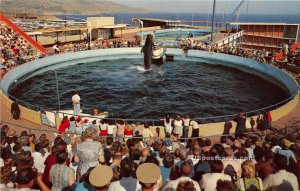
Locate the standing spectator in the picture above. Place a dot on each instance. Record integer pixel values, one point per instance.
(266, 167)
(55, 48)
(5, 152)
(120, 128)
(282, 180)
(168, 166)
(168, 124)
(229, 162)
(186, 170)
(24, 140)
(128, 132)
(61, 175)
(240, 120)
(32, 141)
(65, 123)
(79, 126)
(269, 119)
(287, 152)
(248, 180)
(195, 128)
(209, 180)
(186, 126)
(6, 175)
(72, 125)
(17, 149)
(86, 124)
(103, 129)
(25, 180)
(39, 157)
(110, 128)
(183, 158)
(275, 145)
(147, 178)
(76, 102)
(100, 177)
(95, 126)
(59, 145)
(178, 126)
(147, 133)
(88, 153)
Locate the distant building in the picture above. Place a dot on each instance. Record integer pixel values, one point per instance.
(104, 27)
(268, 36)
(150, 22)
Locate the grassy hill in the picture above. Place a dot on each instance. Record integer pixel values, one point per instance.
(52, 7)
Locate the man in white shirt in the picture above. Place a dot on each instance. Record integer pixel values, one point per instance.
(228, 160)
(39, 157)
(76, 103)
(209, 180)
(282, 180)
(127, 182)
(185, 170)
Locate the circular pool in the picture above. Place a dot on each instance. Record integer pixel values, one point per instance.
(177, 33)
(213, 86)
(201, 88)
(170, 37)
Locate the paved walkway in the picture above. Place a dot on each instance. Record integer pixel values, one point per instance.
(23, 125)
(291, 119)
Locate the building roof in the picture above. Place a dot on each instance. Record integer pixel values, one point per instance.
(49, 30)
(113, 26)
(259, 23)
(160, 20)
(33, 33)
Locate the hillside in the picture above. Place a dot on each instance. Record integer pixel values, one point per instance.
(53, 7)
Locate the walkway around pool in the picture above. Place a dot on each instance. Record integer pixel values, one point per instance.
(291, 119)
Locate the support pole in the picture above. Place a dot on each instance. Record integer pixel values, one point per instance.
(213, 21)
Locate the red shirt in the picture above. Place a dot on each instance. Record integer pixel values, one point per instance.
(128, 132)
(50, 160)
(62, 127)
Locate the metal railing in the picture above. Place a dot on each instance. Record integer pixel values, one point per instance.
(156, 122)
(294, 128)
(42, 130)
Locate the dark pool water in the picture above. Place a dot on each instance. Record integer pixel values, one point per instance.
(123, 88)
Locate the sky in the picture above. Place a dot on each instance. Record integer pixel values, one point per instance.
(222, 6)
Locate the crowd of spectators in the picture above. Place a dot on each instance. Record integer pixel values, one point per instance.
(14, 50)
(79, 159)
(97, 44)
(263, 56)
(88, 162)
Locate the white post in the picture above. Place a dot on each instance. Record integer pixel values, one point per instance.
(142, 24)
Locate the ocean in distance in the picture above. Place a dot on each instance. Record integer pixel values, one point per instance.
(194, 18)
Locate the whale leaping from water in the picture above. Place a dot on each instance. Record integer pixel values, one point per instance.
(147, 50)
(152, 53)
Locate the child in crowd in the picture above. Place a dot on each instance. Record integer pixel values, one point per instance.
(121, 128)
(128, 132)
